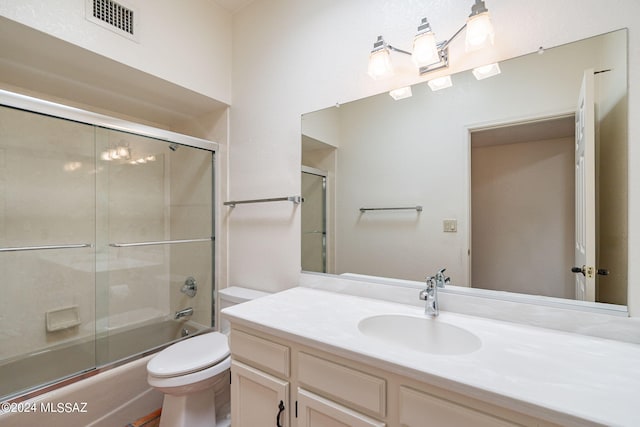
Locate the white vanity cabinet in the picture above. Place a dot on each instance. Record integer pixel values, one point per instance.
(257, 397)
(320, 389)
(259, 381)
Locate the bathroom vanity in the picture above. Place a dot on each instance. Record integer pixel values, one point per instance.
(306, 357)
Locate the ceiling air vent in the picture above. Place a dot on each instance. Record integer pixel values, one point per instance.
(113, 16)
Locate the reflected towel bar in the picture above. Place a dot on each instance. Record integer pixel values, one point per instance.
(295, 199)
(39, 248)
(161, 242)
(412, 208)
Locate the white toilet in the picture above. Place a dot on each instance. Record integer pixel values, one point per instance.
(194, 373)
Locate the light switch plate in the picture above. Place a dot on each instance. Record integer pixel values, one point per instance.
(450, 225)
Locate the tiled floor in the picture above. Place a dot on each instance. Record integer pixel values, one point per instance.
(151, 420)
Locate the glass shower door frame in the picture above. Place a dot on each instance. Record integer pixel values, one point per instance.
(59, 111)
(323, 175)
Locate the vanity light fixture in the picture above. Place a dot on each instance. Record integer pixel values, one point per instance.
(401, 93)
(429, 55)
(380, 60)
(486, 71)
(440, 83)
(480, 32)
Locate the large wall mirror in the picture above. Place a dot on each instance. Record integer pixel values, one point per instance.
(479, 178)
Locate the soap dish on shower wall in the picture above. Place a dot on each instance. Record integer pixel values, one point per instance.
(62, 318)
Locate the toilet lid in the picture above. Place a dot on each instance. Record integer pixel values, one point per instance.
(190, 355)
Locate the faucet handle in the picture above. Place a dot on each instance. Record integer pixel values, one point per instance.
(441, 279)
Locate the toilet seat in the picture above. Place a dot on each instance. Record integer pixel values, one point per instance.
(189, 356)
(194, 381)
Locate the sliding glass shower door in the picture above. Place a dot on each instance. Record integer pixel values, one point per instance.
(314, 221)
(106, 245)
(47, 245)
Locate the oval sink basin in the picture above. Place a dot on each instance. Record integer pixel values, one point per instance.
(420, 333)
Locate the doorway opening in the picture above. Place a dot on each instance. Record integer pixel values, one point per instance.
(522, 207)
(314, 220)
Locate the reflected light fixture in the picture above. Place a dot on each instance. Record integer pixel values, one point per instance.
(429, 55)
(486, 71)
(440, 83)
(401, 93)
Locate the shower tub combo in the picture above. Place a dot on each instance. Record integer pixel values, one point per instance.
(106, 242)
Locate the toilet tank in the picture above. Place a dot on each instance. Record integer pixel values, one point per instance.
(235, 295)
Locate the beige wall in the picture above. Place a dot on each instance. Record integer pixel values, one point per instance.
(523, 217)
(318, 57)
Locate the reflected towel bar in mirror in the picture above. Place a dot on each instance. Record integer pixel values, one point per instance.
(160, 242)
(39, 248)
(295, 199)
(412, 208)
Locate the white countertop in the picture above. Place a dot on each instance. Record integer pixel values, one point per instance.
(561, 377)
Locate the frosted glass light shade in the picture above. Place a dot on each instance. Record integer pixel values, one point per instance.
(401, 93)
(380, 64)
(440, 83)
(479, 32)
(425, 51)
(486, 71)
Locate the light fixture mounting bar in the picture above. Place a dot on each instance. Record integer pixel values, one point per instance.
(443, 63)
(395, 49)
(445, 44)
(443, 51)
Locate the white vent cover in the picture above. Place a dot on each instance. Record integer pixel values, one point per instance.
(114, 16)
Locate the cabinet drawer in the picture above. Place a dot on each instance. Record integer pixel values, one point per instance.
(416, 408)
(356, 389)
(260, 352)
(314, 410)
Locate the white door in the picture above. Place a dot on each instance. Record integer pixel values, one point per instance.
(585, 248)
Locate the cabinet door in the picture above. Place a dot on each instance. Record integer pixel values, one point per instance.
(418, 409)
(257, 398)
(316, 411)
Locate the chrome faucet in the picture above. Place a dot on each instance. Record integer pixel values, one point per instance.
(430, 294)
(183, 313)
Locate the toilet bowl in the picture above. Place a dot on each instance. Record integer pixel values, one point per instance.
(194, 373)
(190, 373)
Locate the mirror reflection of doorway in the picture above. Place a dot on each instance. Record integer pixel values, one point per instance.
(522, 198)
(314, 220)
